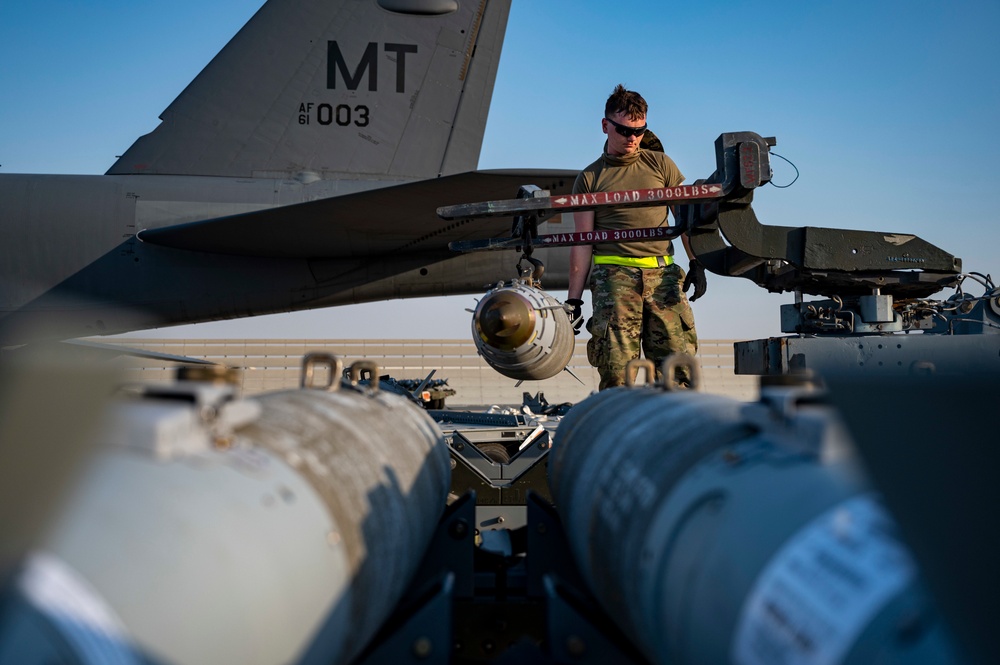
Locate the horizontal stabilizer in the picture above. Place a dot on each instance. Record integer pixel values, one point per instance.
(378, 222)
(116, 350)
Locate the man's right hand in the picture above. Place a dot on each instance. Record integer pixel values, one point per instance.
(576, 316)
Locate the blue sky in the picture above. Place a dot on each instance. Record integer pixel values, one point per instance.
(886, 108)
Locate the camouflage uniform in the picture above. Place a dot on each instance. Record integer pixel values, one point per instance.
(638, 309)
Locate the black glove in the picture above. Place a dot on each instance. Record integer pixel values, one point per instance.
(695, 276)
(577, 315)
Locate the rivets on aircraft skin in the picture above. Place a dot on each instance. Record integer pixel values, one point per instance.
(912, 625)
(575, 646)
(422, 647)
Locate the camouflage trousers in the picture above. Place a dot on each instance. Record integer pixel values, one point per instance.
(638, 309)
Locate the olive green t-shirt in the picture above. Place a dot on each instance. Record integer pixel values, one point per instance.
(644, 169)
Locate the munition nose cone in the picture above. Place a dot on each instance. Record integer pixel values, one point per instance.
(523, 332)
(505, 320)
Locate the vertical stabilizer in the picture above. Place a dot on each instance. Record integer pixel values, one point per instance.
(384, 89)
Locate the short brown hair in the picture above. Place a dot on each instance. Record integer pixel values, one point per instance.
(626, 101)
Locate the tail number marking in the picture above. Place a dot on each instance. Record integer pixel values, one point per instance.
(339, 71)
(328, 114)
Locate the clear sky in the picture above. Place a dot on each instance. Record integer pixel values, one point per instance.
(887, 108)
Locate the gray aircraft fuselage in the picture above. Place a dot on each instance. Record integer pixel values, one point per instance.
(88, 273)
(301, 168)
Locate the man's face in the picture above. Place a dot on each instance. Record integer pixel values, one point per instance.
(619, 145)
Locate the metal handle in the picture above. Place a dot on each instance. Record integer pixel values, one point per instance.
(358, 366)
(632, 371)
(309, 363)
(676, 361)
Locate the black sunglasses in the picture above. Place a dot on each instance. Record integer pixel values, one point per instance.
(627, 131)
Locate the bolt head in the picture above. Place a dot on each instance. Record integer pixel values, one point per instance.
(575, 646)
(459, 529)
(422, 647)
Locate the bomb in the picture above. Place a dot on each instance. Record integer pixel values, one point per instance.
(212, 529)
(523, 332)
(716, 531)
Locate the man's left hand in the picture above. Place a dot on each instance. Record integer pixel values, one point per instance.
(695, 276)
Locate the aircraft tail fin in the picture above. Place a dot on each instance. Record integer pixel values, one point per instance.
(382, 89)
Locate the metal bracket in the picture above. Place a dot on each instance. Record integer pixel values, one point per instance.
(729, 240)
(424, 634)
